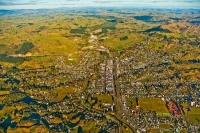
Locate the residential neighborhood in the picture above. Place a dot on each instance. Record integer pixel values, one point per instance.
(99, 70)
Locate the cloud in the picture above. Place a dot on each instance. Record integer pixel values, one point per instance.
(16, 3)
(174, 1)
(3, 3)
(58, 3)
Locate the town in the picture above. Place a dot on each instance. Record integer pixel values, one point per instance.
(122, 81)
(110, 92)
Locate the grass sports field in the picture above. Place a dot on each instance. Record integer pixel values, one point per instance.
(153, 104)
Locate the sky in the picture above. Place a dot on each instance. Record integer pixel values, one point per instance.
(36, 4)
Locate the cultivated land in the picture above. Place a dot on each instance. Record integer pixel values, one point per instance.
(100, 70)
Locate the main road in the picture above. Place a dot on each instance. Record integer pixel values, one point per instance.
(117, 97)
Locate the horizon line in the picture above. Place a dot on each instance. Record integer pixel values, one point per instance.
(115, 6)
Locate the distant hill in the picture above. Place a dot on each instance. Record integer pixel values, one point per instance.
(9, 12)
(181, 26)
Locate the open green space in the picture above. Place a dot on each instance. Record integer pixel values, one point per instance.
(194, 115)
(104, 98)
(25, 47)
(154, 104)
(2, 49)
(4, 92)
(80, 30)
(155, 131)
(14, 60)
(62, 92)
(131, 102)
(164, 126)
